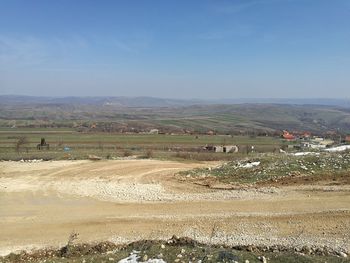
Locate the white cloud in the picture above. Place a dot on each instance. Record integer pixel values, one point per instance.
(22, 51)
(29, 51)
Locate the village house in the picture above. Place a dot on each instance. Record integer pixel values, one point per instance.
(318, 143)
(288, 136)
(222, 149)
(226, 149)
(210, 133)
(154, 131)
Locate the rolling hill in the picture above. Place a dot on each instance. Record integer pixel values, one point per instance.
(144, 113)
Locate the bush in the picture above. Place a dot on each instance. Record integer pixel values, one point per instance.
(126, 153)
(146, 155)
(149, 153)
(205, 156)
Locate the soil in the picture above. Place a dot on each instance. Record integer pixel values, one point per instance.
(127, 200)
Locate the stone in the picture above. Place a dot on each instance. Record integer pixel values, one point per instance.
(306, 250)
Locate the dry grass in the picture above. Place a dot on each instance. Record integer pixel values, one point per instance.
(205, 156)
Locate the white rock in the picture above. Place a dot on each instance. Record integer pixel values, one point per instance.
(135, 259)
(338, 148)
(249, 165)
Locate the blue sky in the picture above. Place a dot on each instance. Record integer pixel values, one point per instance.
(176, 49)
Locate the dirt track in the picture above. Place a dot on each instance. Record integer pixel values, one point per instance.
(41, 203)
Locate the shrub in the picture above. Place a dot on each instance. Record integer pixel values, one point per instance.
(126, 153)
(149, 153)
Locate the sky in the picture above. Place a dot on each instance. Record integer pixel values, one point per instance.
(206, 49)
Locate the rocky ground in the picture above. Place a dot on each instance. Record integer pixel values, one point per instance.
(128, 200)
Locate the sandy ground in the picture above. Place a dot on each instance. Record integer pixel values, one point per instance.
(124, 200)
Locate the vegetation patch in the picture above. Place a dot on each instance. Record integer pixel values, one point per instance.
(273, 167)
(176, 250)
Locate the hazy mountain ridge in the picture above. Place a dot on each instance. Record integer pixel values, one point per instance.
(164, 102)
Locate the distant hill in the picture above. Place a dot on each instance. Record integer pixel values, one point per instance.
(164, 102)
(98, 101)
(169, 115)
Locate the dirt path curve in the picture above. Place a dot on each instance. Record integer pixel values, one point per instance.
(124, 200)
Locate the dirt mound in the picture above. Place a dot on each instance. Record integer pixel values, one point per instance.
(176, 248)
(72, 251)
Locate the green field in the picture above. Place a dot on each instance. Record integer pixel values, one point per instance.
(115, 144)
(236, 119)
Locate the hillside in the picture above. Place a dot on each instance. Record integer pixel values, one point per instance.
(141, 114)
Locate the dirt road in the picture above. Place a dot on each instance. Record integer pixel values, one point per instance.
(124, 200)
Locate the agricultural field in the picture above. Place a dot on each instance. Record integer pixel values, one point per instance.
(141, 115)
(113, 145)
